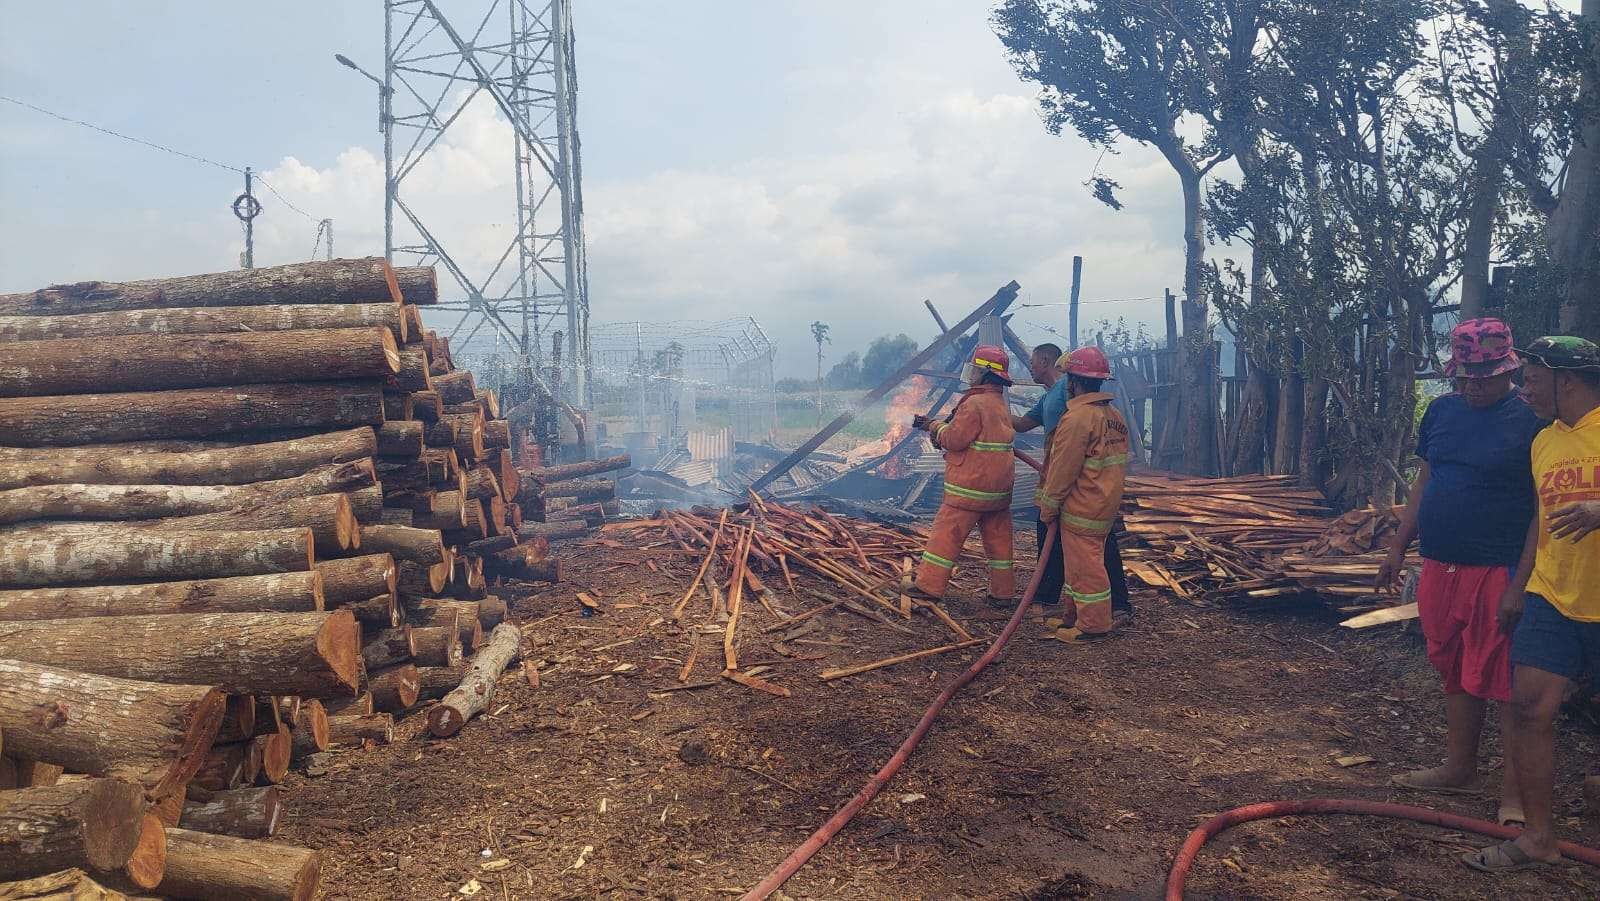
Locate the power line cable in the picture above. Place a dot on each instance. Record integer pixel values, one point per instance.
(285, 199)
(118, 134)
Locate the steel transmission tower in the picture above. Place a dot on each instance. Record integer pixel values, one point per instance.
(517, 54)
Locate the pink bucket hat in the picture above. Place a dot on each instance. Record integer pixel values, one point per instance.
(1481, 349)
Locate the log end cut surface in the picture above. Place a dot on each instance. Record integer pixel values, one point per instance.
(149, 860)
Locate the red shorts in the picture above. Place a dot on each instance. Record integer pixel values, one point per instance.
(1457, 605)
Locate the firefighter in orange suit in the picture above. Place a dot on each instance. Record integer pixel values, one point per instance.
(1082, 488)
(976, 440)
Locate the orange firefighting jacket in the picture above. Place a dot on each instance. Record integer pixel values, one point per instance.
(976, 441)
(1084, 466)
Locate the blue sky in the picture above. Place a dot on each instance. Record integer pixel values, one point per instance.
(791, 161)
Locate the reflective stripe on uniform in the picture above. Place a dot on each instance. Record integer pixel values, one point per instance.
(1043, 500)
(992, 446)
(1098, 597)
(1082, 523)
(1103, 462)
(936, 560)
(999, 564)
(975, 494)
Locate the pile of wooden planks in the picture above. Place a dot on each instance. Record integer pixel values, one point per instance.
(1252, 538)
(244, 517)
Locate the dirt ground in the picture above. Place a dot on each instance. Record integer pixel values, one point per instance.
(1062, 772)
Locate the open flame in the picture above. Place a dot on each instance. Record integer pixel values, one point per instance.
(903, 405)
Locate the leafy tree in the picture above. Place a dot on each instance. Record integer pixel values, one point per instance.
(819, 333)
(846, 373)
(884, 355)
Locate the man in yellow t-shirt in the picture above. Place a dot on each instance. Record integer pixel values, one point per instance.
(1553, 601)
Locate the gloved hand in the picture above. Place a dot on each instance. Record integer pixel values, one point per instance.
(921, 422)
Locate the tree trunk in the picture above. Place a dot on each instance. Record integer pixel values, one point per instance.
(1570, 232)
(130, 554)
(310, 733)
(207, 321)
(546, 475)
(413, 374)
(368, 280)
(1291, 413)
(393, 689)
(189, 412)
(360, 705)
(367, 506)
(357, 578)
(206, 867)
(477, 689)
(310, 654)
(418, 285)
(331, 518)
(272, 593)
(1195, 376)
(388, 648)
(1313, 434)
(88, 823)
(457, 387)
(443, 510)
(160, 362)
(582, 490)
(275, 751)
(465, 614)
(134, 502)
(242, 813)
(420, 546)
(1250, 448)
(356, 730)
(148, 861)
(239, 720)
(119, 465)
(376, 613)
(146, 732)
(434, 682)
(496, 434)
(400, 439)
(426, 406)
(438, 645)
(561, 528)
(66, 885)
(482, 484)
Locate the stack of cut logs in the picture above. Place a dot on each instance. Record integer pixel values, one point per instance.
(565, 501)
(243, 517)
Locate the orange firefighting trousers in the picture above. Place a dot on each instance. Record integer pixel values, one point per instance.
(950, 529)
(1087, 583)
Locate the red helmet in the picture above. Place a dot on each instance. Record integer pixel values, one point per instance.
(990, 358)
(1086, 362)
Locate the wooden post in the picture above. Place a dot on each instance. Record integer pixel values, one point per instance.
(1072, 303)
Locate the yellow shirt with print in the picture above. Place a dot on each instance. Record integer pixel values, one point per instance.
(1566, 469)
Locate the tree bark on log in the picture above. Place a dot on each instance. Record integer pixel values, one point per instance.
(465, 614)
(130, 554)
(579, 489)
(418, 285)
(275, 751)
(397, 516)
(561, 528)
(189, 412)
(239, 719)
(65, 885)
(515, 564)
(332, 519)
(357, 578)
(444, 510)
(274, 592)
(457, 387)
(376, 613)
(148, 861)
(548, 475)
(393, 689)
(367, 505)
(413, 374)
(89, 823)
(242, 813)
(25, 772)
(71, 366)
(310, 733)
(397, 406)
(226, 767)
(420, 546)
(367, 280)
(434, 682)
(438, 645)
(477, 689)
(483, 547)
(481, 483)
(426, 406)
(196, 465)
(206, 867)
(137, 502)
(146, 732)
(360, 705)
(417, 581)
(400, 439)
(356, 730)
(207, 321)
(310, 654)
(496, 434)
(389, 647)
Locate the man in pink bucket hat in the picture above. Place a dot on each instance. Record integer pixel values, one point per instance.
(1470, 505)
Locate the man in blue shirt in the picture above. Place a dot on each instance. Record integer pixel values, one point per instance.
(1047, 412)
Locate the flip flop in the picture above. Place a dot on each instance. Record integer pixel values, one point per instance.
(1404, 780)
(1505, 857)
(1511, 816)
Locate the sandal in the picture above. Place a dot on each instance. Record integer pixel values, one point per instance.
(1505, 857)
(1408, 781)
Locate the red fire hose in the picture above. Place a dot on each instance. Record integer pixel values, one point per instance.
(1225, 821)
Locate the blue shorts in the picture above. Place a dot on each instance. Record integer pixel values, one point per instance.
(1547, 640)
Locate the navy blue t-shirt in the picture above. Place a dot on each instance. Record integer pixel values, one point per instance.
(1480, 498)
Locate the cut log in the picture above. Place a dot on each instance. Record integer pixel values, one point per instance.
(470, 585)
(310, 733)
(25, 772)
(70, 366)
(207, 321)
(400, 439)
(426, 406)
(388, 648)
(360, 705)
(416, 581)
(441, 432)
(465, 614)
(131, 554)
(89, 823)
(145, 732)
(434, 682)
(496, 434)
(397, 406)
(275, 751)
(393, 689)
(578, 489)
(357, 730)
(457, 387)
(491, 612)
(482, 483)
(195, 465)
(418, 285)
(477, 689)
(376, 613)
(206, 867)
(397, 516)
(189, 412)
(148, 861)
(368, 280)
(239, 721)
(357, 578)
(414, 328)
(547, 475)
(268, 719)
(444, 510)
(490, 402)
(516, 564)
(223, 768)
(311, 654)
(438, 645)
(332, 521)
(66, 885)
(242, 813)
(280, 592)
(483, 547)
(409, 545)
(413, 374)
(367, 505)
(561, 528)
